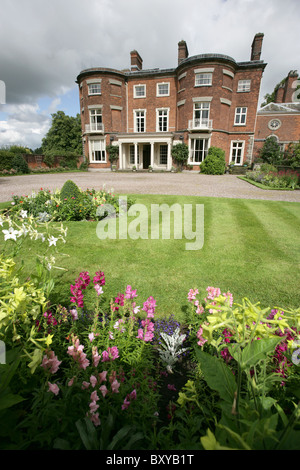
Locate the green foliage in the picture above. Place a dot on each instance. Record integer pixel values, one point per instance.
(214, 163)
(64, 135)
(49, 160)
(270, 152)
(291, 156)
(180, 153)
(6, 158)
(113, 152)
(20, 164)
(69, 189)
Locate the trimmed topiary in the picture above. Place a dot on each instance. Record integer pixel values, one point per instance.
(69, 189)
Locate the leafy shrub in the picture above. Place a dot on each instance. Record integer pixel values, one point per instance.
(69, 189)
(270, 152)
(180, 153)
(20, 164)
(6, 158)
(214, 163)
(49, 160)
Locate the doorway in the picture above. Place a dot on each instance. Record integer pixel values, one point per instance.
(146, 156)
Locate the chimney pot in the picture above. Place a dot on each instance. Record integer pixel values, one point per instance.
(257, 46)
(136, 61)
(183, 52)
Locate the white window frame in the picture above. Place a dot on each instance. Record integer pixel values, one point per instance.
(132, 154)
(163, 153)
(235, 146)
(92, 150)
(162, 84)
(203, 151)
(138, 116)
(203, 79)
(244, 85)
(201, 108)
(162, 114)
(137, 95)
(96, 119)
(94, 86)
(240, 115)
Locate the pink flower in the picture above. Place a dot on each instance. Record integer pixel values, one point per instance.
(103, 390)
(96, 357)
(91, 336)
(53, 388)
(201, 341)
(192, 294)
(115, 386)
(149, 307)
(95, 419)
(125, 405)
(85, 385)
(50, 362)
(98, 289)
(99, 278)
(110, 355)
(76, 351)
(74, 314)
(102, 376)
(94, 396)
(132, 395)
(171, 387)
(93, 381)
(70, 383)
(130, 294)
(93, 406)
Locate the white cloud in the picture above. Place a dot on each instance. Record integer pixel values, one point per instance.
(47, 44)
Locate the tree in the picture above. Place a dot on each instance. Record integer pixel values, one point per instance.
(180, 153)
(113, 153)
(270, 152)
(64, 135)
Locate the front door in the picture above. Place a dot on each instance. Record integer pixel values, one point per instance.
(146, 156)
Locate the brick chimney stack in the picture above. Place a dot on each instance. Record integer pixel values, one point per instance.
(183, 52)
(257, 46)
(136, 61)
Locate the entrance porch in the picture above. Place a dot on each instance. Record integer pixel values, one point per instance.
(145, 152)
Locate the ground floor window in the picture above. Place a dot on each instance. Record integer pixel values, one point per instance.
(237, 152)
(199, 149)
(97, 151)
(131, 155)
(163, 154)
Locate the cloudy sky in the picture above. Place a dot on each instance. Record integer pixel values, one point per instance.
(45, 44)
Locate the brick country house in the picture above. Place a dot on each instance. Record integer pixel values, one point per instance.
(281, 118)
(206, 100)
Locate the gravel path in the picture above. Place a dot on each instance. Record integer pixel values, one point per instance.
(185, 183)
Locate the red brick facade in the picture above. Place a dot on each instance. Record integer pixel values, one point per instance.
(207, 100)
(280, 119)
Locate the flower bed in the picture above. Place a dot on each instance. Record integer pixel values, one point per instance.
(284, 179)
(46, 206)
(116, 376)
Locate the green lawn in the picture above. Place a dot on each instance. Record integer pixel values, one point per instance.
(251, 248)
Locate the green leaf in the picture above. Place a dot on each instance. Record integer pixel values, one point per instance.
(258, 350)
(217, 375)
(9, 400)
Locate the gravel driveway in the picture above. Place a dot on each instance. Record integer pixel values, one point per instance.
(185, 183)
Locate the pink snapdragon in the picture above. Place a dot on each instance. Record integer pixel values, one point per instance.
(192, 294)
(76, 351)
(149, 307)
(130, 294)
(53, 388)
(214, 292)
(50, 362)
(99, 278)
(199, 334)
(111, 354)
(129, 397)
(96, 356)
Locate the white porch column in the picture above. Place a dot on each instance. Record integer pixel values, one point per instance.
(120, 156)
(152, 155)
(169, 161)
(135, 154)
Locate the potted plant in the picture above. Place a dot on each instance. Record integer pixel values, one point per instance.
(173, 169)
(134, 168)
(114, 167)
(150, 169)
